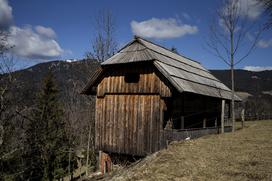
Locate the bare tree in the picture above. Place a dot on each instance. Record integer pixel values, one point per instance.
(232, 39)
(104, 44)
(268, 9)
(10, 133)
(5, 68)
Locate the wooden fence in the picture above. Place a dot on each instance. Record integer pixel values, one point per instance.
(258, 117)
(176, 135)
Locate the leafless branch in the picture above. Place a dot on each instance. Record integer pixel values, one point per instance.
(104, 44)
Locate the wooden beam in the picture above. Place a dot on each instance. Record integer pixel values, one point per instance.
(222, 115)
(204, 122)
(182, 122)
(243, 117)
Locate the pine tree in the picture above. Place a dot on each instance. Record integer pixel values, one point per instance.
(45, 136)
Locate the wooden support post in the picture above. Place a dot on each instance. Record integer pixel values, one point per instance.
(222, 116)
(215, 123)
(243, 117)
(182, 122)
(204, 122)
(69, 164)
(105, 163)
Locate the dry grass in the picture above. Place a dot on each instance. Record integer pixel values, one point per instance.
(243, 155)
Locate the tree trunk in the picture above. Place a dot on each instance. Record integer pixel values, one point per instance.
(88, 150)
(232, 80)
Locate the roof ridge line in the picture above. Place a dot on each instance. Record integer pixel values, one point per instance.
(134, 50)
(138, 37)
(175, 59)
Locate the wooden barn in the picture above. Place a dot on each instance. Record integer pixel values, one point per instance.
(147, 95)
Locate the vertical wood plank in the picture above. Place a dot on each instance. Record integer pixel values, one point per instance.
(222, 115)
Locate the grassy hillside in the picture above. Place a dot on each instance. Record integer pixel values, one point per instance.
(243, 155)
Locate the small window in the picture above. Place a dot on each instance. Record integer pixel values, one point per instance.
(132, 78)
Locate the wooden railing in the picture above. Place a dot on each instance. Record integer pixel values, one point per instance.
(258, 117)
(170, 135)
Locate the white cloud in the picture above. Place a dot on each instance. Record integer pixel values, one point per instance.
(264, 43)
(257, 68)
(250, 9)
(30, 44)
(162, 28)
(5, 14)
(47, 32)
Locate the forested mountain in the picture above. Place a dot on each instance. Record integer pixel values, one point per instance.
(247, 81)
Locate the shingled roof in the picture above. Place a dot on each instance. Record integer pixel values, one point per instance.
(183, 73)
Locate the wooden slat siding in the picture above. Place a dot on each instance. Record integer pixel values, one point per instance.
(146, 125)
(121, 118)
(155, 122)
(148, 120)
(162, 136)
(132, 120)
(117, 133)
(104, 113)
(106, 130)
(150, 125)
(97, 117)
(130, 110)
(149, 83)
(157, 119)
(106, 143)
(135, 127)
(139, 125)
(114, 124)
(142, 132)
(98, 121)
(143, 126)
(128, 114)
(101, 124)
(110, 122)
(117, 130)
(138, 118)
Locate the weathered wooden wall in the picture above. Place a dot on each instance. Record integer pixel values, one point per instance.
(129, 115)
(149, 82)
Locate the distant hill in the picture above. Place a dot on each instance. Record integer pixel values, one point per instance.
(247, 81)
(67, 73)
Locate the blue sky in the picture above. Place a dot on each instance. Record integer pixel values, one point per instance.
(64, 29)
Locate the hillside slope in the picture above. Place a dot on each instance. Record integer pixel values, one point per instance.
(246, 81)
(243, 155)
(67, 76)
